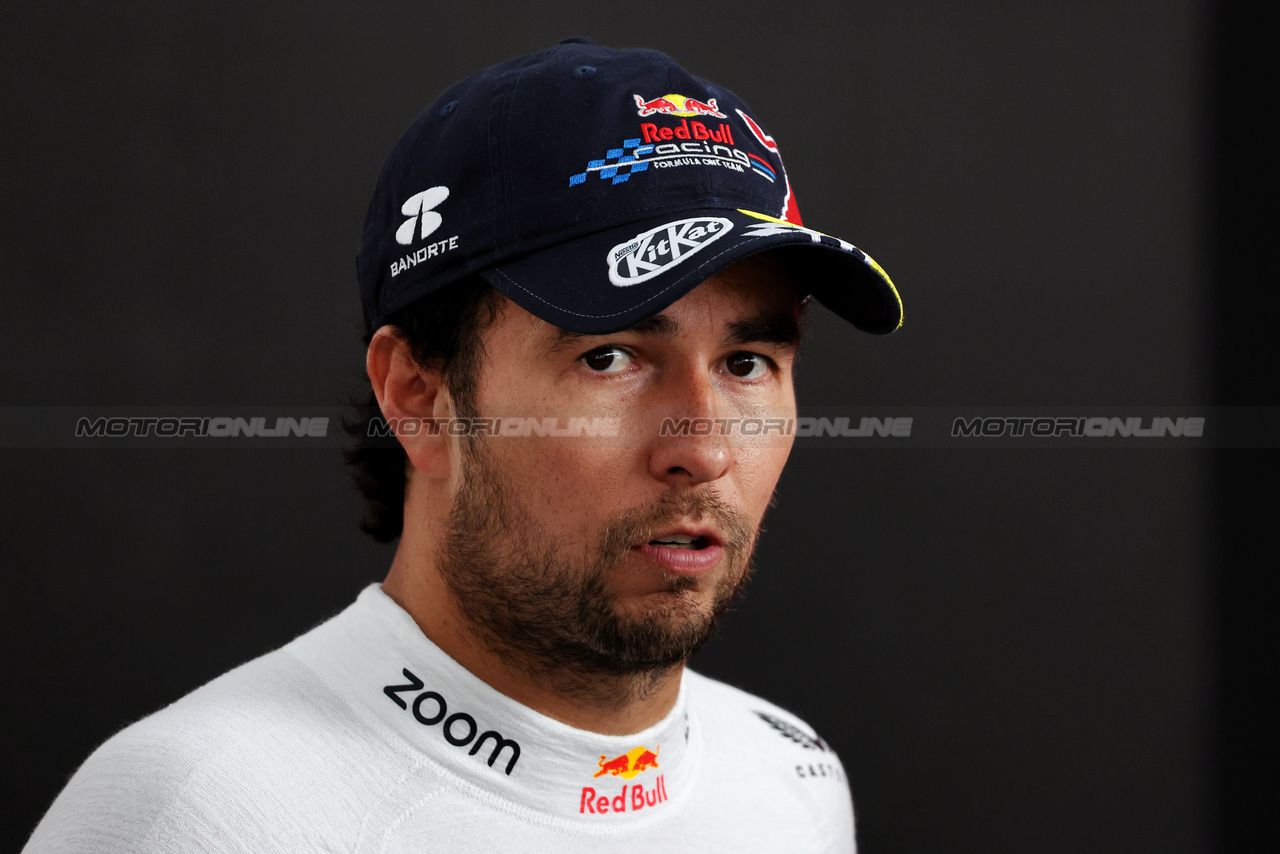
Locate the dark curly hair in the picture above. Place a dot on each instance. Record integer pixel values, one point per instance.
(443, 332)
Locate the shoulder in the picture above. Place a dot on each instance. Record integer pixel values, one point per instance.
(772, 757)
(752, 718)
(255, 751)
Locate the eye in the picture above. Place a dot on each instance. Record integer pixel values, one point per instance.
(607, 360)
(747, 366)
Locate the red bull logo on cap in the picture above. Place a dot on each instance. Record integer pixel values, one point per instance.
(629, 764)
(678, 105)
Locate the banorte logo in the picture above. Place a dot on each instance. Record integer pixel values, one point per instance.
(420, 208)
(422, 222)
(632, 797)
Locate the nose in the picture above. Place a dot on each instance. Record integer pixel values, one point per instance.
(696, 449)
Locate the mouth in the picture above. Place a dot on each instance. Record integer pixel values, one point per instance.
(684, 550)
(687, 538)
(681, 541)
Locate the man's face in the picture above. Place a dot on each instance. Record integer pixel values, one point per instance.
(554, 548)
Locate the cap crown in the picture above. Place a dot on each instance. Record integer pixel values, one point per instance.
(552, 146)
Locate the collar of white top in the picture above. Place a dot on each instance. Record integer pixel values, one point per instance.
(374, 655)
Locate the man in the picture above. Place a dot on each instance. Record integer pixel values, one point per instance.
(572, 263)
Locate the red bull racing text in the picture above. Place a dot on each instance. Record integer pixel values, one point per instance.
(689, 143)
(687, 130)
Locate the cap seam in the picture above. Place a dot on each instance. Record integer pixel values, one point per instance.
(508, 171)
(494, 210)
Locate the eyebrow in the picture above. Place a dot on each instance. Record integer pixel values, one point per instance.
(659, 326)
(779, 328)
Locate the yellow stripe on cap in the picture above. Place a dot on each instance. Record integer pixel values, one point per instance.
(869, 259)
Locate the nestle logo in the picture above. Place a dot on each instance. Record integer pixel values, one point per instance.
(657, 250)
(459, 729)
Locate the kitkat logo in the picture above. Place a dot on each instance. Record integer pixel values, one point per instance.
(657, 250)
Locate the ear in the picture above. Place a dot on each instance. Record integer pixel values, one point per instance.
(411, 398)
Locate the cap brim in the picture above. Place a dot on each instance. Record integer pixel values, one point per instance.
(610, 280)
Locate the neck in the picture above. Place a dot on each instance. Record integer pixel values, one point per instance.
(606, 703)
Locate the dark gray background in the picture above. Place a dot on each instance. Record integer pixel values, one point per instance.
(1012, 649)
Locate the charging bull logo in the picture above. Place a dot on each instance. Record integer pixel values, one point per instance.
(678, 105)
(629, 764)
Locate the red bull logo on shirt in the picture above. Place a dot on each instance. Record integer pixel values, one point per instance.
(629, 764)
(632, 797)
(678, 105)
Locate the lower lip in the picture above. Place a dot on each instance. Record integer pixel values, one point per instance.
(683, 561)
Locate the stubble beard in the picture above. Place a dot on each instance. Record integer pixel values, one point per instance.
(558, 620)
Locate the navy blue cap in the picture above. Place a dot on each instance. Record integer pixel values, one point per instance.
(594, 187)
